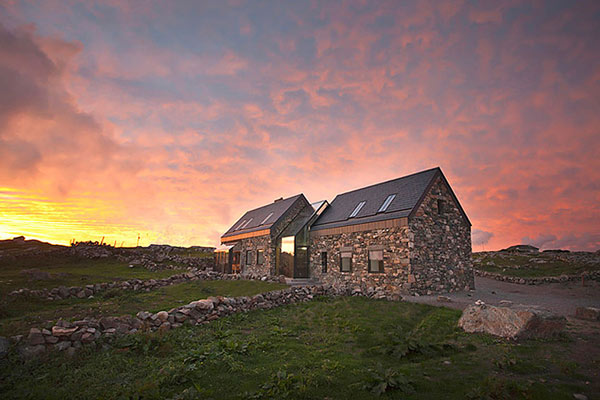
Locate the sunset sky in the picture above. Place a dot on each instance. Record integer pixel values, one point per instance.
(170, 119)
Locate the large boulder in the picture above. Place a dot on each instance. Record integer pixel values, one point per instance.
(205, 305)
(512, 323)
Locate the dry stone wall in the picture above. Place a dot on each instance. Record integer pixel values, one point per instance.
(81, 292)
(69, 336)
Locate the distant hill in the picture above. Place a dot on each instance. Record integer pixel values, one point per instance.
(19, 245)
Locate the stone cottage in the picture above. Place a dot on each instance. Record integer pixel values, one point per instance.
(408, 235)
(270, 240)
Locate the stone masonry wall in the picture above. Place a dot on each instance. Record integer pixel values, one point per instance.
(395, 244)
(440, 258)
(253, 244)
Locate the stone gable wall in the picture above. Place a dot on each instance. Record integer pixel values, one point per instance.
(395, 243)
(291, 214)
(440, 259)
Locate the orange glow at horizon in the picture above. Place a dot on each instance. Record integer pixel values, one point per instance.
(80, 219)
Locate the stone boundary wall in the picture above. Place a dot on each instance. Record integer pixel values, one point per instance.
(69, 336)
(593, 275)
(82, 292)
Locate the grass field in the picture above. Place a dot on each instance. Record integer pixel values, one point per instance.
(345, 348)
(18, 314)
(69, 271)
(505, 265)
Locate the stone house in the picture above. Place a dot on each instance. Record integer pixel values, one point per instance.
(269, 240)
(407, 235)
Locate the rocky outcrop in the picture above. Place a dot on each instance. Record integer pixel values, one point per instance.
(592, 275)
(511, 323)
(511, 262)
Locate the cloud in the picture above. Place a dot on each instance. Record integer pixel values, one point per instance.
(183, 116)
(540, 241)
(43, 134)
(480, 237)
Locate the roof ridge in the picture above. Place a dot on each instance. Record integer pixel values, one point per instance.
(390, 180)
(269, 204)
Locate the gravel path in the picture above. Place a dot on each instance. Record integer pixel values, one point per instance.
(560, 298)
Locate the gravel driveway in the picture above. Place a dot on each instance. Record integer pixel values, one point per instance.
(560, 298)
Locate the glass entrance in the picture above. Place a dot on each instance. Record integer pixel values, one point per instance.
(286, 256)
(292, 257)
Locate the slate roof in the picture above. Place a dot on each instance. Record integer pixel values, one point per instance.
(278, 208)
(409, 191)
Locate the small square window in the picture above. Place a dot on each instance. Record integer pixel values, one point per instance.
(375, 260)
(324, 262)
(260, 257)
(248, 257)
(346, 261)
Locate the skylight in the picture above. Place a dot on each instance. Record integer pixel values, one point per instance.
(266, 219)
(240, 225)
(357, 209)
(387, 203)
(246, 224)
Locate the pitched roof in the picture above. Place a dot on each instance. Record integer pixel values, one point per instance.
(253, 220)
(408, 190)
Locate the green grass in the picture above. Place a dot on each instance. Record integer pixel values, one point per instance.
(18, 314)
(345, 348)
(505, 265)
(69, 271)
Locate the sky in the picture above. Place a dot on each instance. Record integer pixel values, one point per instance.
(169, 120)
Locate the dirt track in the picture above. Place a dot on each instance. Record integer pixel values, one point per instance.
(560, 298)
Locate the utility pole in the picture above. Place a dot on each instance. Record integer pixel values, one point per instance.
(138, 242)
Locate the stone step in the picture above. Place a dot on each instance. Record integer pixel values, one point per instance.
(301, 281)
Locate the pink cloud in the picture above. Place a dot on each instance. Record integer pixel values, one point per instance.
(183, 141)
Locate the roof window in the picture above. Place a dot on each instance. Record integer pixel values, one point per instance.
(246, 224)
(357, 209)
(240, 225)
(266, 219)
(387, 203)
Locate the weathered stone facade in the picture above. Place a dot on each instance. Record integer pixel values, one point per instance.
(253, 245)
(393, 241)
(427, 253)
(440, 257)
